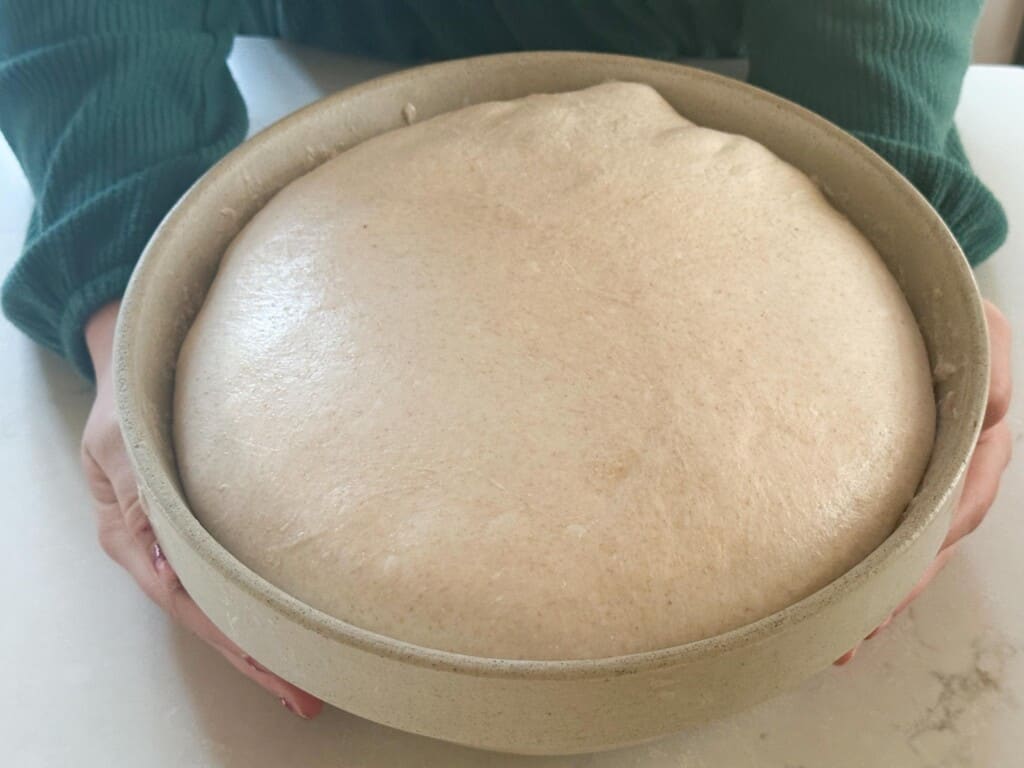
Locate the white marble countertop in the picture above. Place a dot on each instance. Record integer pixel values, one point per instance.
(97, 676)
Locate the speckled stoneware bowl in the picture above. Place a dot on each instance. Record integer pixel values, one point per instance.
(545, 706)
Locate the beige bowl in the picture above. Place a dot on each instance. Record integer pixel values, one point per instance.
(544, 706)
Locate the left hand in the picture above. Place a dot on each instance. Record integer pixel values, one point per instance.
(991, 455)
(127, 537)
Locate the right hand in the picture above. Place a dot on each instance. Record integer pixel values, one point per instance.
(988, 462)
(125, 533)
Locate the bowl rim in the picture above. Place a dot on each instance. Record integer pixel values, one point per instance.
(160, 488)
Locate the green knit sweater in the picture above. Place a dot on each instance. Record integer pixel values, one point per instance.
(114, 107)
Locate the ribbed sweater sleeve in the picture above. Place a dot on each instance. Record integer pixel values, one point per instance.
(113, 108)
(888, 71)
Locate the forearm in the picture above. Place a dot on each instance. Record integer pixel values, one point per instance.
(890, 72)
(113, 107)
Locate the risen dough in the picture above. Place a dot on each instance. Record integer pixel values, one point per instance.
(562, 377)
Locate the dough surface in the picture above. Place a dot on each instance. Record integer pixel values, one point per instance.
(562, 377)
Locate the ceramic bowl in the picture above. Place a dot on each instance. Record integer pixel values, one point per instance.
(545, 706)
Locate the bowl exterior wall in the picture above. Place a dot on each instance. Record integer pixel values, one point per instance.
(544, 707)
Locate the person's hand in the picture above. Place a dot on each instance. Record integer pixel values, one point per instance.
(990, 458)
(124, 530)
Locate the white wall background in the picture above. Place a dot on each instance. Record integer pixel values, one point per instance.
(995, 41)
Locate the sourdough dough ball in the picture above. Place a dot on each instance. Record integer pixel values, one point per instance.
(555, 378)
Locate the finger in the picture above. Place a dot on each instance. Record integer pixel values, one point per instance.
(995, 447)
(158, 580)
(294, 699)
(189, 615)
(122, 480)
(100, 487)
(1000, 385)
(136, 521)
(847, 657)
(127, 537)
(937, 565)
(874, 632)
(113, 537)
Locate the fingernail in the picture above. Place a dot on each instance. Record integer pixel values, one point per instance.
(879, 628)
(846, 658)
(162, 567)
(288, 705)
(255, 664)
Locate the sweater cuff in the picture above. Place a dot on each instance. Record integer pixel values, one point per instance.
(84, 260)
(81, 305)
(969, 208)
(70, 269)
